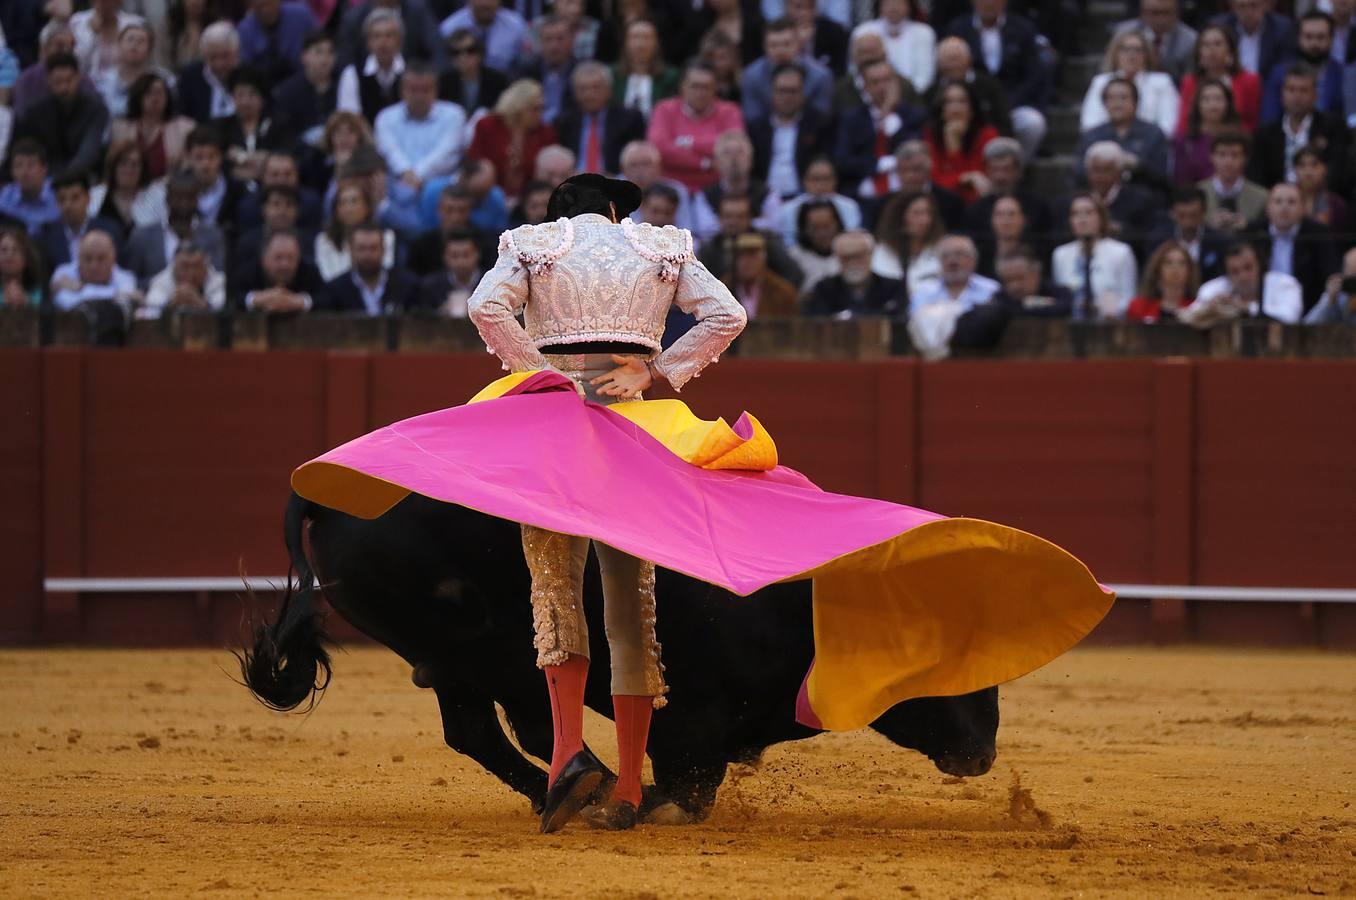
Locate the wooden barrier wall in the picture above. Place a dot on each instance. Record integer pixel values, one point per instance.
(140, 463)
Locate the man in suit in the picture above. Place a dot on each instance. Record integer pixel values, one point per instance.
(1294, 245)
(778, 161)
(593, 128)
(203, 86)
(1315, 48)
(1026, 291)
(1136, 213)
(870, 134)
(68, 123)
(1264, 38)
(468, 81)
(913, 175)
(280, 281)
(368, 287)
(219, 196)
(448, 289)
(1003, 177)
(455, 204)
(849, 91)
(303, 103)
(1187, 227)
(1301, 125)
(955, 63)
(422, 39)
(1144, 143)
(781, 46)
(856, 290)
(1231, 200)
(736, 217)
(1006, 47)
(280, 210)
(59, 241)
(552, 66)
(1160, 23)
(280, 170)
(822, 39)
(150, 248)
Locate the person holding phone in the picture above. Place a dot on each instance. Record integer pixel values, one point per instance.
(1338, 303)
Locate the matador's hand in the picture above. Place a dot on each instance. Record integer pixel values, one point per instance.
(627, 380)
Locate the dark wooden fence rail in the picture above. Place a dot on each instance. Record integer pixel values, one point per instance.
(141, 462)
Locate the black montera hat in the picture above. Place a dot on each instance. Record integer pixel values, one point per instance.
(623, 194)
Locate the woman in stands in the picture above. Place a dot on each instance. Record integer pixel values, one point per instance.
(1008, 224)
(817, 224)
(351, 207)
(344, 132)
(1212, 113)
(1217, 59)
(1131, 57)
(513, 135)
(1320, 204)
(1170, 280)
(1099, 270)
(153, 123)
(907, 236)
(127, 195)
(642, 77)
(21, 272)
(956, 134)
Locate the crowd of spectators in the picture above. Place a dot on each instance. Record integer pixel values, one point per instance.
(832, 158)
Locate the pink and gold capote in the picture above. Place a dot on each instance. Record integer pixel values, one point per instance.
(907, 603)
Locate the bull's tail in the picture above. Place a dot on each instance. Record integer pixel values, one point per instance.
(288, 663)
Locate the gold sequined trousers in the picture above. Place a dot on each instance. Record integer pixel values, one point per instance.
(556, 562)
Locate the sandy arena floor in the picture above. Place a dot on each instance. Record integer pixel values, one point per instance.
(1134, 773)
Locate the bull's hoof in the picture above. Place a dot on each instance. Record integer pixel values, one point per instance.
(422, 675)
(618, 816)
(667, 813)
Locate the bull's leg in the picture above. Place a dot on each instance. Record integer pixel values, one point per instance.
(471, 726)
(691, 782)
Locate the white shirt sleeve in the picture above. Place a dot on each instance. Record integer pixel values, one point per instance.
(387, 130)
(1094, 113)
(443, 158)
(1165, 102)
(1282, 298)
(346, 95)
(1127, 276)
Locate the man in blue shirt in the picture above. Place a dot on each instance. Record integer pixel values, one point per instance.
(29, 197)
(504, 33)
(421, 137)
(271, 36)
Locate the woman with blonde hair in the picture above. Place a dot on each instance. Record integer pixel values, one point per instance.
(513, 135)
(1171, 279)
(1131, 57)
(351, 207)
(344, 132)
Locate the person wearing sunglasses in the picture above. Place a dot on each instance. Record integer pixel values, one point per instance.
(468, 81)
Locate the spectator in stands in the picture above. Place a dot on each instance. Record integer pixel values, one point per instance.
(738, 24)
(22, 283)
(588, 40)
(1008, 232)
(659, 205)
(640, 164)
(1168, 285)
(913, 174)
(1294, 245)
(187, 22)
(554, 164)
(870, 134)
(856, 290)
(352, 207)
(1130, 57)
(1135, 212)
(956, 135)
(271, 37)
(219, 196)
(344, 133)
(910, 46)
(593, 128)
(96, 32)
(1160, 23)
(817, 224)
(1144, 145)
(59, 240)
(280, 210)
(792, 134)
(821, 38)
(736, 218)
(372, 83)
(1204, 244)
(454, 215)
(29, 198)
(721, 53)
(281, 281)
(1097, 269)
(642, 77)
(1212, 114)
(954, 63)
(513, 135)
(685, 128)
(69, 124)
(422, 136)
(249, 133)
(489, 211)
(202, 85)
(820, 182)
(1005, 46)
(468, 82)
(935, 311)
(1344, 29)
(1231, 201)
(849, 92)
(190, 282)
(134, 61)
(1338, 303)
(150, 247)
(1245, 291)
(733, 157)
(280, 170)
(448, 289)
(1264, 38)
(1315, 49)
(127, 195)
(907, 241)
(781, 47)
(422, 37)
(1003, 177)
(1026, 291)
(93, 275)
(1319, 203)
(762, 293)
(531, 207)
(505, 34)
(152, 122)
(1301, 125)
(1217, 60)
(551, 66)
(31, 87)
(304, 102)
(371, 285)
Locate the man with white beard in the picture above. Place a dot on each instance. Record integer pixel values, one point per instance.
(856, 290)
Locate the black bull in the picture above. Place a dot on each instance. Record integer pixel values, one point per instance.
(446, 588)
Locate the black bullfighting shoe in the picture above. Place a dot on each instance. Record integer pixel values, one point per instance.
(576, 784)
(618, 816)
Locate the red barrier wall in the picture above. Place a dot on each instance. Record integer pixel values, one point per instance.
(163, 463)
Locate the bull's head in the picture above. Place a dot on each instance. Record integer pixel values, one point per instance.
(957, 733)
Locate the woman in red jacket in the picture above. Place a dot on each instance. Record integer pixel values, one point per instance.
(513, 135)
(1217, 58)
(1168, 286)
(956, 135)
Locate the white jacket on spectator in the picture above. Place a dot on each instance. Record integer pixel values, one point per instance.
(162, 287)
(1114, 274)
(1158, 101)
(1282, 297)
(121, 288)
(923, 271)
(911, 48)
(334, 261)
